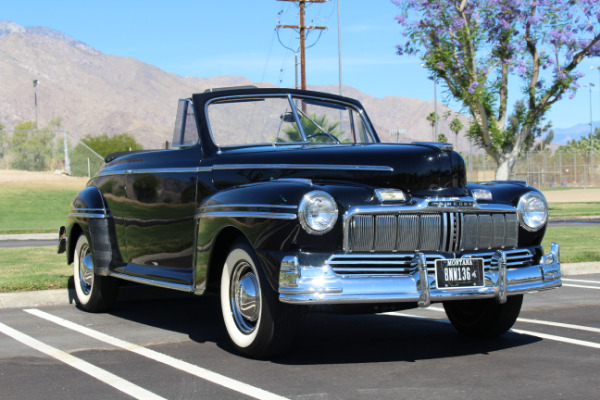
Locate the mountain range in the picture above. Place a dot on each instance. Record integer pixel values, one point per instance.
(95, 93)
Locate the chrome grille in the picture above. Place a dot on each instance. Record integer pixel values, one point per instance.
(402, 263)
(445, 231)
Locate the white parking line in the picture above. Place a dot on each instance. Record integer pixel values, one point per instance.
(531, 333)
(581, 286)
(580, 281)
(560, 325)
(83, 366)
(541, 322)
(559, 338)
(181, 365)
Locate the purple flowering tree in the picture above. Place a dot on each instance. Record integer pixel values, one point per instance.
(476, 46)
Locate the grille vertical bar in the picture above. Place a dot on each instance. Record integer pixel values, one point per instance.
(385, 234)
(362, 233)
(408, 232)
(430, 233)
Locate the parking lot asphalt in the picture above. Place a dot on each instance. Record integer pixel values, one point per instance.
(177, 348)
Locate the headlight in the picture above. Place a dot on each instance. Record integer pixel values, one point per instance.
(533, 211)
(317, 212)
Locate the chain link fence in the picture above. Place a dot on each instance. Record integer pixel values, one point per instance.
(47, 150)
(59, 150)
(542, 169)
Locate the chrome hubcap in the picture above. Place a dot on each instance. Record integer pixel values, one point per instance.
(86, 270)
(245, 297)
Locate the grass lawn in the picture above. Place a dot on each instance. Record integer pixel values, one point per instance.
(574, 209)
(577, 243)
(33, 211)
(33, 268)
(33, 206)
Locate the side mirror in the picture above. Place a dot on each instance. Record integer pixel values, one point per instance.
(287, 117)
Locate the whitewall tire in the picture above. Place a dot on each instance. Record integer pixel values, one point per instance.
(93, 292)
(257, 323)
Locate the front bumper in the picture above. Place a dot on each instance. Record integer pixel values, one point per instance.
(310, 284)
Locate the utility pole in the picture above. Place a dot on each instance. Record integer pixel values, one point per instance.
(302, 28)
(35, 84)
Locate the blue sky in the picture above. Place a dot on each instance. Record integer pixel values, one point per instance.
(207, 38)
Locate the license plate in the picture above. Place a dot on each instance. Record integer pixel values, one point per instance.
(459, 273)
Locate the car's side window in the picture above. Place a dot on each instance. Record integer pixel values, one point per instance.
(185, 132)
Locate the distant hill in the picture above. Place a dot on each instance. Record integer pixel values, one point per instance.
(96, 93)
(564, 135)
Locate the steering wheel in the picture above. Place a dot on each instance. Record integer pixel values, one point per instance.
(329, 135)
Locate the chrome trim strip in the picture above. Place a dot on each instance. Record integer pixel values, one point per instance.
(89, 215)
(166, 170)
(246, 214)
(153, 282)
(90, 210)
(353, 264)
(379, 168)
(99, 213)
(217, 206)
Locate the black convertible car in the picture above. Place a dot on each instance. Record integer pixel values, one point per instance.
(285, 201)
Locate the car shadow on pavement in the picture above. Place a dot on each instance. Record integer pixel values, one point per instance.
(324, 338)
(339, 339)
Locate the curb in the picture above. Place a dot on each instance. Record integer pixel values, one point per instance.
(63, 297)
(31, 236)
(575, 219)
(58, 297)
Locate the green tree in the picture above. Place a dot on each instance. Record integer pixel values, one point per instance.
(32, 148)
(584, 144)
(105, 145)
(474, 47)
(442, 138)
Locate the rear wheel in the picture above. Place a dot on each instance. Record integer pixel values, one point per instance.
(483, 318)
(257, 323)
(94, 293)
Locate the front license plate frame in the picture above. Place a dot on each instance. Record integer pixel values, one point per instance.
(459, 273)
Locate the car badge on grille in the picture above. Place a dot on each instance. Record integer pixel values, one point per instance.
(451, 203)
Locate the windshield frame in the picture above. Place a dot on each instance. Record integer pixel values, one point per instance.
(291, 97)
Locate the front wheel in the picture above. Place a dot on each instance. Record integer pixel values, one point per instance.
(483, 318)
(94, 293)
(257, 323)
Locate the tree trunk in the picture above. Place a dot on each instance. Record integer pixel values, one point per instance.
(506, 165)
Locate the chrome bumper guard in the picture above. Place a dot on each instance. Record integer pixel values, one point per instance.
(307, 283)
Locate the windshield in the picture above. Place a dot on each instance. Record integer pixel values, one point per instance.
(285, 120)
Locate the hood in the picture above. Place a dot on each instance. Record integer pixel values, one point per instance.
(420, 169)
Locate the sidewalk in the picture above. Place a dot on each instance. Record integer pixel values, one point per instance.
(31, 236)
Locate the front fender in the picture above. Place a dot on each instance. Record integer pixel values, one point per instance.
(266, 214)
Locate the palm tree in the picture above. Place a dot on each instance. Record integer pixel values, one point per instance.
(319, 128)
(432, 119)
(456, 126)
